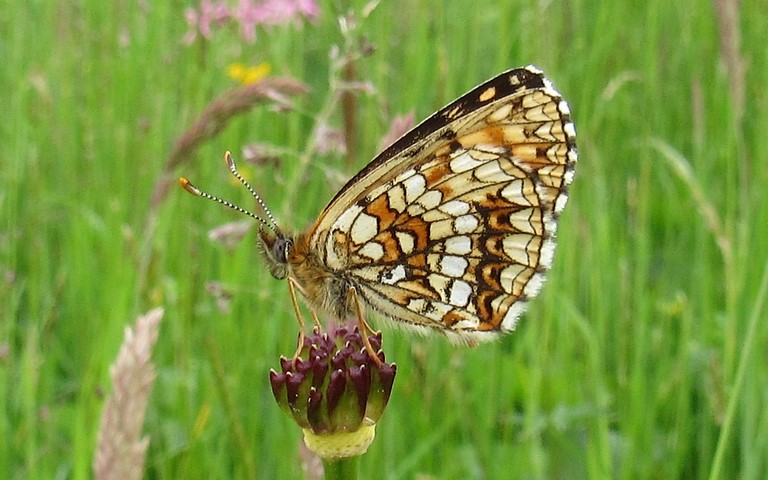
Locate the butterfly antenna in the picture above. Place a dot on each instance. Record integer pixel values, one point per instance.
(186, 185)
(233, 168)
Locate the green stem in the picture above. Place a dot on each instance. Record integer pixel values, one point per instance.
(342, 469)
(741, 377)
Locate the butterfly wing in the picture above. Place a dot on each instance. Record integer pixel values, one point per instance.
(452, 227)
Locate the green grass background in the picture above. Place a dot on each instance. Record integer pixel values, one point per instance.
(644, 356)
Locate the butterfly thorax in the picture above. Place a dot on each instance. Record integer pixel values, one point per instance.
(293, 256)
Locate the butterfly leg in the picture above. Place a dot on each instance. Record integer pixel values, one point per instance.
(315, 320)
(297, 312)
(365, 329)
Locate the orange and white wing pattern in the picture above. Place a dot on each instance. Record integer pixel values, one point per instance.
(452, 227)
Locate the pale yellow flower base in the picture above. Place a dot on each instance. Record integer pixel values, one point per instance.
(340, 445)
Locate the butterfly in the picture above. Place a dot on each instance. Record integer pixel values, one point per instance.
(451, 229)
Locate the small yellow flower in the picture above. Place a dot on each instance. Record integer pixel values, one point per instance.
(248, 74)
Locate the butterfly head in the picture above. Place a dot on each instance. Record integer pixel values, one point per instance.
(275, 247)
(275, 244)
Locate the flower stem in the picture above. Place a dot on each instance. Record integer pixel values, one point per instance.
(342, 469)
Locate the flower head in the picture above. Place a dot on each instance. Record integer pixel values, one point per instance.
(248, 14)
(335, 391)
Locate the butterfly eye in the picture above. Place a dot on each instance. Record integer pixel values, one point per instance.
(280, 249)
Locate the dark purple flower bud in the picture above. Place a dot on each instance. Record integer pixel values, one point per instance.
(382, 379)
(375, 341)
(360, 379)
(335, 390)
(360, 358)
(298, 392)
(316, 414)
(277, 380)
(319, 371)
(285, 364)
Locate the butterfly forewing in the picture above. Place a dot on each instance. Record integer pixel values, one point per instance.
(452, 227)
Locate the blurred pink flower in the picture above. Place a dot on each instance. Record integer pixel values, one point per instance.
(209, 13)
(249, 14)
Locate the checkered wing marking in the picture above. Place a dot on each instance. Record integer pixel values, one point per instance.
(453, 226)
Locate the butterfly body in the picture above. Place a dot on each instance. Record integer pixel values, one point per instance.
(451, 228)
(293, 257)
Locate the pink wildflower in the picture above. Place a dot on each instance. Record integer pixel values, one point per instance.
(249, 14)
